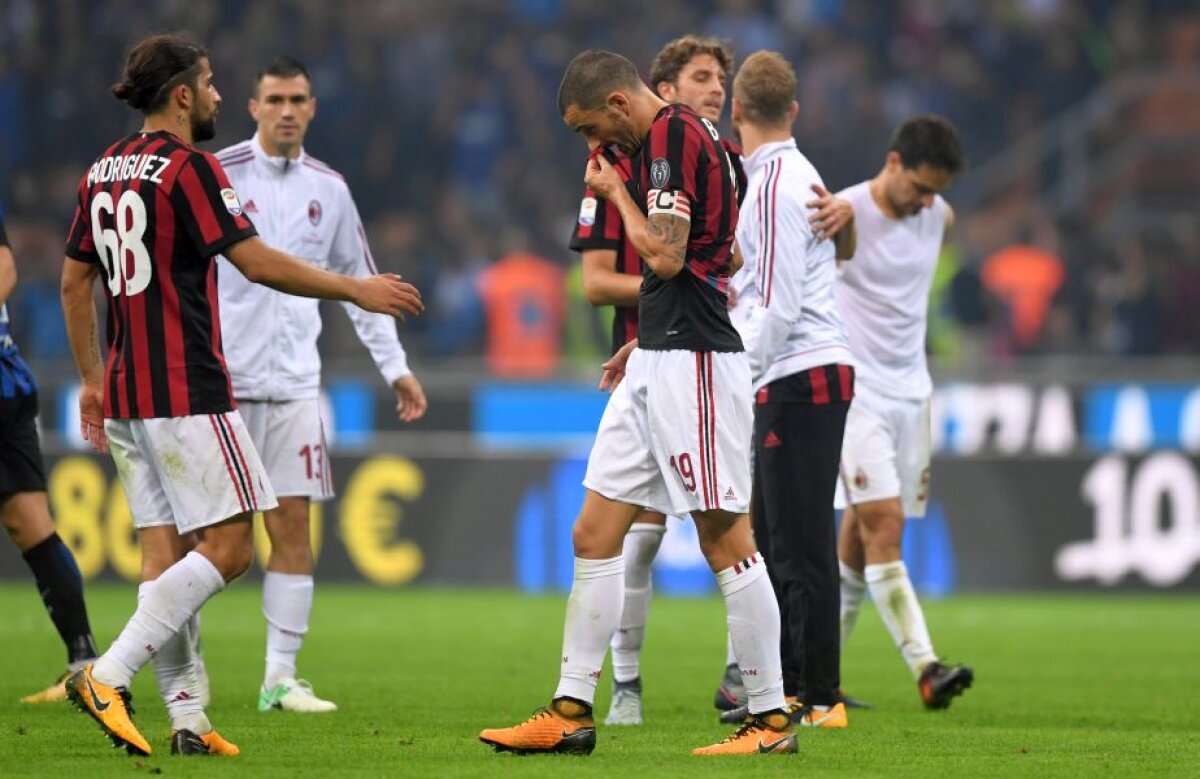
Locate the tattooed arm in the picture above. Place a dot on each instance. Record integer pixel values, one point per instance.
(660, 239)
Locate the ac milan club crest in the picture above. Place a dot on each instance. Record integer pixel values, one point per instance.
(314, 212)
(860, 479)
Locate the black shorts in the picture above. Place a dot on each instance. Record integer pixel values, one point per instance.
(21, 467)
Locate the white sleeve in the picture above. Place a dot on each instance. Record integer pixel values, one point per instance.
(350, 255)
(783, 266)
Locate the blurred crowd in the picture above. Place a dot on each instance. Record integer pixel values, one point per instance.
(441, 115)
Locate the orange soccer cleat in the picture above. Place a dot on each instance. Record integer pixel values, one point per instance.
(808, 717)
(52, 694)
(548, 730)
(110, 707)
(771, 733)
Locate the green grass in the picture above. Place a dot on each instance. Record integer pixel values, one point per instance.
(1066, 686)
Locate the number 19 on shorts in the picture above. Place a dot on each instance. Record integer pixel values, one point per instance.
(683, 466)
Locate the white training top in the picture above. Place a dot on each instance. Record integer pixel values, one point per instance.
(302, 207)
(883, 294)
(785, 309)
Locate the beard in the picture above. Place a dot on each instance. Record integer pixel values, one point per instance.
(204, 129)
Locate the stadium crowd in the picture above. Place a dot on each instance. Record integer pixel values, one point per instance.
(440, 114)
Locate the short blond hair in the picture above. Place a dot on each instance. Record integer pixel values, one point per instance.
(765, 87)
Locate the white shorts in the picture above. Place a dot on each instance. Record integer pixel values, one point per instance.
(190, 472)
(675, 436)
(290, 438)
(885, 452)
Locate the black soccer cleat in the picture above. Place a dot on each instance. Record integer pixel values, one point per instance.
(185, 742)
(939, 684)
(851, 702)
(731, 693)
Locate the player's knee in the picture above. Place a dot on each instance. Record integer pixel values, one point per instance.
(591, 540)
(881, 532)
(230, 553)
(235, 561)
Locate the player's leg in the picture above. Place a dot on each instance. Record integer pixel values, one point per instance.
(766, 508)
(26, 517)
(622, 476)
(639, 550)
(593, 613)
(805, 533)
(175, 663)
(224, 475)
(881, 525)
(25, 513)
(851, 561)
(752, 616)
(287, 604)
(290, 439)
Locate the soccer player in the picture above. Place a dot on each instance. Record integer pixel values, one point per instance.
(153, 212)
(883, 295)
(803, 381)
(304, 207)
(692, 71)
(673, 435)
(23, 505)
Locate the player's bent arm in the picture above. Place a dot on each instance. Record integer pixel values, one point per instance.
(79, 310)
(261, 264)
(8, 274)
(603, 284)
(949, 220)
(660, 238)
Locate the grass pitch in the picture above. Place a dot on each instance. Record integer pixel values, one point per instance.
(1066, 686)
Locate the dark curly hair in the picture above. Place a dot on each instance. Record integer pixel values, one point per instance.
(155, 66)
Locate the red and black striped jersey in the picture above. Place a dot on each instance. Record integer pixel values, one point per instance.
(599, 226)
(682, 153)
(154, 212)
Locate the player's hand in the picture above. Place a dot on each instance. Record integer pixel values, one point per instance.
(614, 367)
(833, 213)
(388, 294)
(410, 398)
(91, 417)
(731, 298)
(601, 177)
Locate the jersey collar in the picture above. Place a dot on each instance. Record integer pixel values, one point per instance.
(765, 153)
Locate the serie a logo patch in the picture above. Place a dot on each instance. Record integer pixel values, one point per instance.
(587, 212)
(230, 199)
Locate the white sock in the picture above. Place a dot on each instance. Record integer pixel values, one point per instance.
(730, 655)
(641, 545)
(854, 586)
(173, 670)
(593, 612)
(753, 616)
(287, 602)
(168, 605)
(897, 604)
(193, 629)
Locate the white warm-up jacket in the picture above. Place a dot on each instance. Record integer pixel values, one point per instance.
(785, 309)
(303, 207)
